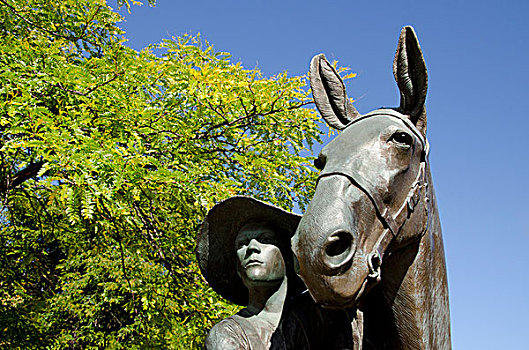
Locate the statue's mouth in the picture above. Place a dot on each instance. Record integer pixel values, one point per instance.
(253, 262)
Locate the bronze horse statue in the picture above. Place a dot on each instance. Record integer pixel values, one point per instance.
(371, 239)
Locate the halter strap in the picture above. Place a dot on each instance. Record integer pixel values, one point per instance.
(393, 113)
(392, 222)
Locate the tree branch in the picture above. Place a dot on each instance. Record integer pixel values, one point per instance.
(20, 177)
(32, 24)
(92, 89)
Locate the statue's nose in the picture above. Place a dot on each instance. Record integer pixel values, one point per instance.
(253, 247)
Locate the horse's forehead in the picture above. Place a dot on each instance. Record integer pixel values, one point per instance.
(363, 132)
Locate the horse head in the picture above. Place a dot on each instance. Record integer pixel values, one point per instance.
(371, 197)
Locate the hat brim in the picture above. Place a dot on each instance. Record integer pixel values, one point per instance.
(215, 243)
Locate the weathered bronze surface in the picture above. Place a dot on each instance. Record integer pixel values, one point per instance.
(244, 253)
(371, 239)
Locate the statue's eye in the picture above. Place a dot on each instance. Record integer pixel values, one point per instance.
(267, 239)
(319, 162)
(402, 138)
(240, 243)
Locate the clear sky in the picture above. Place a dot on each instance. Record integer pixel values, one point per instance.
(478, 63)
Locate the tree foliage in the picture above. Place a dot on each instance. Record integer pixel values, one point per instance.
(109, 160)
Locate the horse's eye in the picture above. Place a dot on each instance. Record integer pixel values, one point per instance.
(319, 162)
(402, 138)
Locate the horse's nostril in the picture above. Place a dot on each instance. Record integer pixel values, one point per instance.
(340, 243)
(339, 249)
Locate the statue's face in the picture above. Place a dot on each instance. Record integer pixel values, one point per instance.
(259, 258)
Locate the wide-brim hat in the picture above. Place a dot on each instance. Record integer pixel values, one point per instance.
(216, 241)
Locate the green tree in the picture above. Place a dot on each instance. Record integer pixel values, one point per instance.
(109, 160)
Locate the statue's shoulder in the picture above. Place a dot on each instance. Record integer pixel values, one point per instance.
(227, 334)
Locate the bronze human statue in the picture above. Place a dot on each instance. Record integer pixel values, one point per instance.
(244, 253)
(371, 237)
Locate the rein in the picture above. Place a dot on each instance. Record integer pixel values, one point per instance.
(393, 222)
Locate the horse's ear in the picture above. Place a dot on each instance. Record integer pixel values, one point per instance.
(329, 93)
(410, 74)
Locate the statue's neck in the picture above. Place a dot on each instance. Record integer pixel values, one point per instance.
(267, 303)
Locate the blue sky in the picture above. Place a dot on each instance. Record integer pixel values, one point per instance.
(477, 58)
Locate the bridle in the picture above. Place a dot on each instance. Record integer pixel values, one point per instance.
(392, 222)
